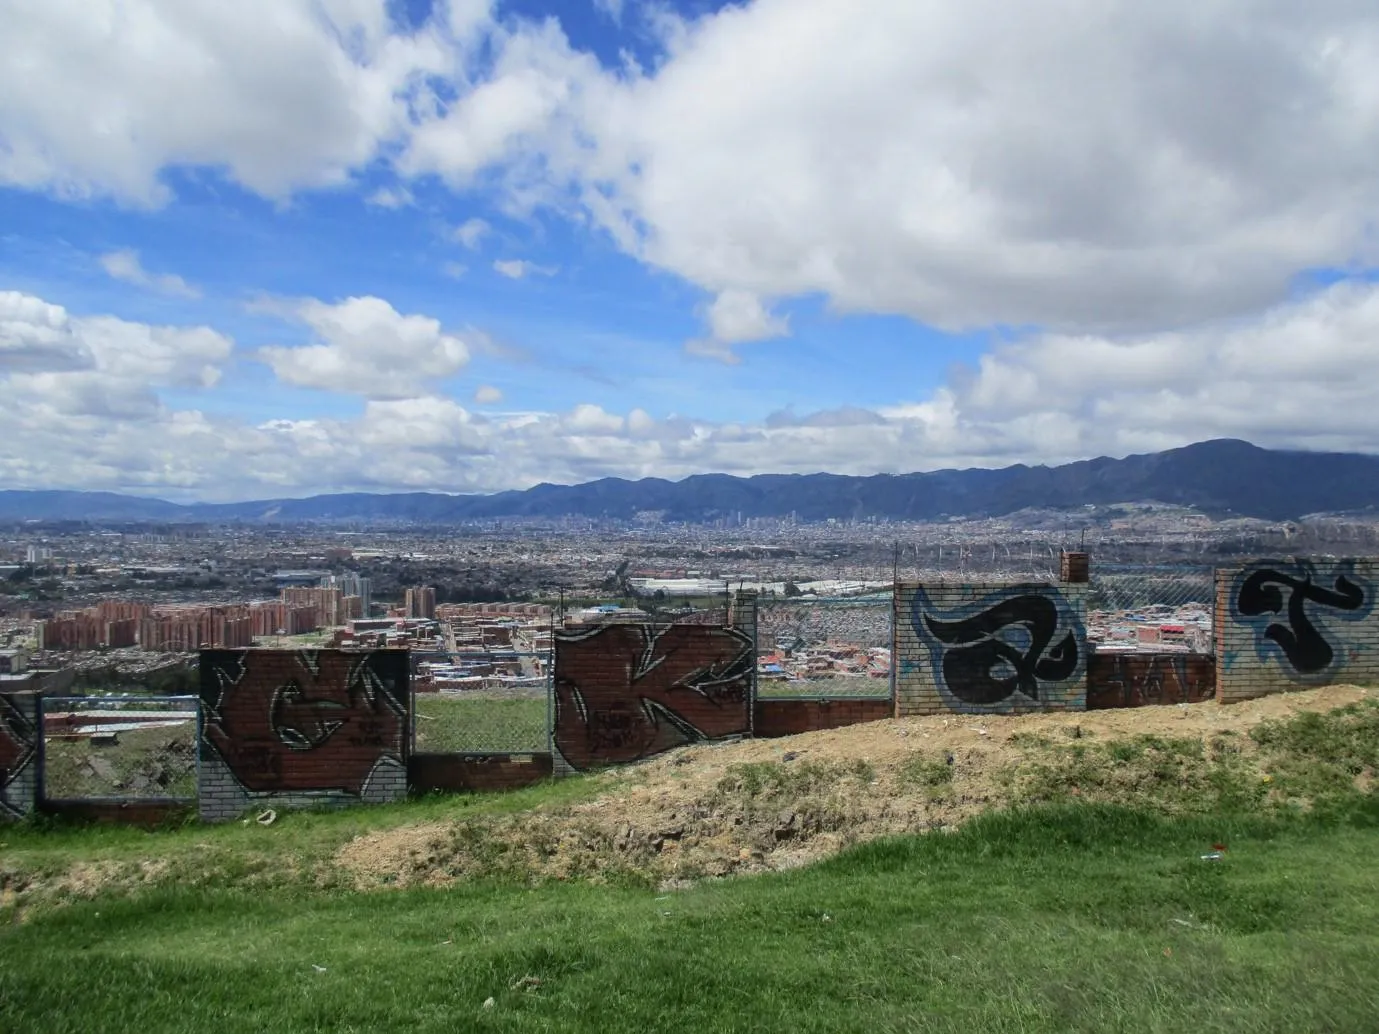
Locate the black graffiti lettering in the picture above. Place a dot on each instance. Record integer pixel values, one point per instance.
(1303, 645)
(975, 665)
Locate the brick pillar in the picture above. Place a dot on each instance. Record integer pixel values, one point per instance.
(1074, 567)
(742, 614)
(21, 750)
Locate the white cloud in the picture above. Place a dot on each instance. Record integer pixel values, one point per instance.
(488, 395)
(100, 96)
(35, 337)
(56, 367)
(973, 165)
(611, 9)
(454, 270)
(471, 232)
(516, 269)
(1120, 170)
(1292, 377)
(125, 265)
(366, 347)
(962, 164)
(734, 317)
(391, 198)
(1144, 182)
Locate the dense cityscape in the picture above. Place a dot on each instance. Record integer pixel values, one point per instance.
(126, 606)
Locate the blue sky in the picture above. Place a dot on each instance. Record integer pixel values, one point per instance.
(293, 247)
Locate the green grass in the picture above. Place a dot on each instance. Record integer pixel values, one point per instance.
(931, 773)
(480, 722)
(1060, 915)
(142, 763)
(1058, 919)
(247, 855)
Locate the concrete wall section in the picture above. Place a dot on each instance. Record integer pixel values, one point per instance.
(463, 773)
(1295, 623)
(627, 691)
(782, 716)
(21, 746)
(1138, 679)
(150, 814)
(989, 647)
(289, 728)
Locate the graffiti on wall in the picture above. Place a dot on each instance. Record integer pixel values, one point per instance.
(18, 749)
(1138, 680)
(1025, 640)
(311, 721)
(1294, 612)
(627, 691)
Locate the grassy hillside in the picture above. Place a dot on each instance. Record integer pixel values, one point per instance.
(1203, 869)
(1080, 918)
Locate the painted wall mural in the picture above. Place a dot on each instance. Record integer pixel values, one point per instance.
(1295, 622)
(20, 740)
(627, 691)
(1133, 679)
(990, 647)
(302, 726)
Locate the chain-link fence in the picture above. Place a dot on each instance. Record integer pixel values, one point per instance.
(120, 748)
(1151, 606)
(824, 647)
(484, 697)
(656, 609)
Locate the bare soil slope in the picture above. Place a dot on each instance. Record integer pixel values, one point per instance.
(774, 804)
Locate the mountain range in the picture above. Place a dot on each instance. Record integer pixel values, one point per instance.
(1223, 477)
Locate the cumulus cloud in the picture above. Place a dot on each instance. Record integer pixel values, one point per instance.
(57, 367)
(612, 9)
(35, 337)
(125, 265)
(109, 93)
(734, 317)
(471, 232)
(516, 269)
(1292, 377)
(390, 198)
(1134, 190)
(488, 395)
(968, 165)
(972, 165)
(961, 164)
(366, 347)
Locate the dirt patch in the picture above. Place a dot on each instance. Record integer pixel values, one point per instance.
(712, 810)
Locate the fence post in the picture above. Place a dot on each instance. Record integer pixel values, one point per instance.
(742, 615)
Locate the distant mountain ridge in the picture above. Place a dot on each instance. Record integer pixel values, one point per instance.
(1218, 477)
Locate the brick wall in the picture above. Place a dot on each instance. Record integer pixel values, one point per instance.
(990, 647)
(628, 691)
(151, 814)
(299, 728)
(783, 716)
(455, 773)
(1136, 679)
(21, 750)
(1295, 623)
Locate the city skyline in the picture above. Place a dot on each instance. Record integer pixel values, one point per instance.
(467, 247)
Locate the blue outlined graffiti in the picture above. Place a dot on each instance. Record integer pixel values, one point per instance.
(1295, 610)
(1023, 641)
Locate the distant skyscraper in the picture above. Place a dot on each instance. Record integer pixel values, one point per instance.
(351, 583)
(421, 602)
